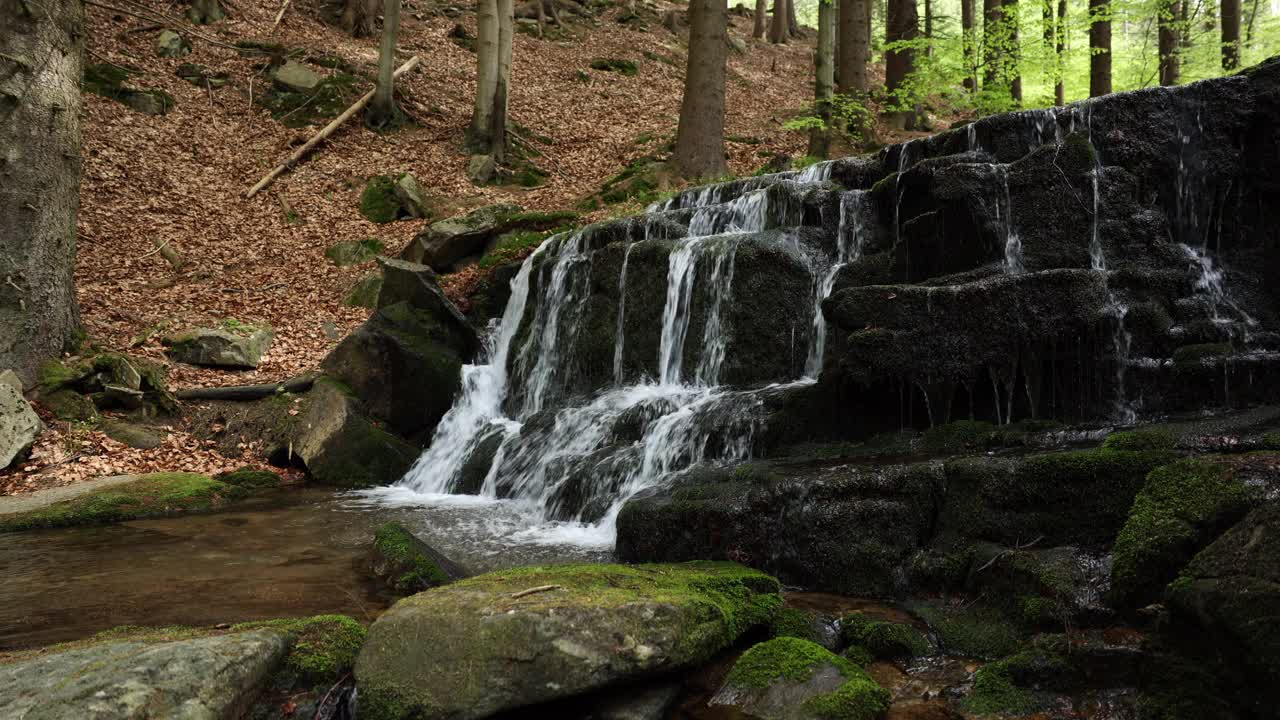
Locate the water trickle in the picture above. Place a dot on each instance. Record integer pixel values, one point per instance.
(818, 172)
(971, 136)
(849, 240)
(1013, 262)
(714, 338)
(619, 335)
(676, 312)
(1212, 287)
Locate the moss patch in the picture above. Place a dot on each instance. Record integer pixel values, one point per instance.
(355, 252)
(250, 478)
(154, 495)
(971, 630)
(794, 660)
(793, 622)
(378, 201)
(994, 693)
(414, 570)
(324, 646)
(1143, 439)
(616, 65)
(883, 639)
(315, 107)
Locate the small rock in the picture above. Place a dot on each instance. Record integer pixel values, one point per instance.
(330, 330)
(792, 679)
(353, 252)
(247, 477)
(405, 564)
(171, 44)
(417, 285)
(135, 436)
(410, 196)
(293, 76)
(69, 405)
(149, 102)
(19, 425)
(736, 44)
(201, 76)
(481, 169)
(236, 345)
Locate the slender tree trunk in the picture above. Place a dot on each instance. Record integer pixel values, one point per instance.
(479, 140)
(928, 27)
(360, 17)
(501, 94)
(555, 14)
(793, 25)
(1248, 28)
(1099, 47)
(1230, 34)
(762, 10)
(992, 42)
(382, 109)
(699, 150)
(901, 24)
(542, 18)
(1011, 19)
(778, 32)
(854, 46)
(824, 78)
(41, 49)
(1060, 88)
(1049, 31)
(968, 44)
(1169, 61)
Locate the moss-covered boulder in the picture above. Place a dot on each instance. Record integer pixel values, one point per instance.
(341, 447)
(141, 496)
(404, 564)
(448, 244)
(234, 344)
(386, 198)
(69, 405)
(321, 648)
(518, 637)
(353, 252)
(882, 638)
(1181, 508)
(971, 629)
(792, 679)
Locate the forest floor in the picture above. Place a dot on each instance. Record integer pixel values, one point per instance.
(177, 181)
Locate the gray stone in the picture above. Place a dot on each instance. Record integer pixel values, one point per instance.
(135, 436)
(363, 293)
(19, 425)
(212, 678)
(148, 102)
(10, 378)
(171, 44)
(238, 346)
(410, 196)
(403, 281)
(341, 448)
(118, 397)
(293, 76)
(481, 169)
(446, 242)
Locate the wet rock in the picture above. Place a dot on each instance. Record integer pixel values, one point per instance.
(19, 425)
(293, 76)
(792, 679)
(472, 476)
(405, 565)
(445, 242)
(171, 44)
(341, 447)
(211, 677)
(417, 285)
(234, 345)
(518, 637)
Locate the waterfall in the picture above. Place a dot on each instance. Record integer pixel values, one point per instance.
(622, 311)
(1012, 243)
(849, 239)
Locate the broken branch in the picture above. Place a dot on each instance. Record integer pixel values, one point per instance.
(534, 590)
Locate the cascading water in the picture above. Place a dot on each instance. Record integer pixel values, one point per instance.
(849, 239)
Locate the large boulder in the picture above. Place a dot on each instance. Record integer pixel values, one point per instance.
(519, 637)
(213, 678)
(234, 345)
(341, 447)
(19, 425)
(448, 244)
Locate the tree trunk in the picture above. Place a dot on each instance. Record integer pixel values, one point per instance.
(928, 27)
(542, 17)
(1050, 32)
(479, 140)
(205, 12)
(824, 78)
(1011, 20)
(854, 46)
(382, 109)
(1230, 34)
(793, 25)
(699, 151)
(778, 32)
(901, 24)
(40, 69)
(762, 10)
(1060, 88)
(992, 42)
(360, 17)
(1248, 28)
(1169, 62)
(968, 46)
(1099, 47)
(501, 92)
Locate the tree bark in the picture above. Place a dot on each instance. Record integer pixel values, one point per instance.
(778, 32)
(1230, 34)
(1011, 20)
(1099, 47)
(901, 24)
(854, 45)
(205, 12)
(1060, 87)
(928, 27)
(969, 50)
(793, 25)
(762, 11)
(824, 78)
(486, 135)
(360, 17)
(382, 109)
(41, 53)
(699, 150)
(992, 42)
(1170, 68)
(1050, 32)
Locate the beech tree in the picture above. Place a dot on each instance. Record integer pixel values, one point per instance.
(992, 42)
(1169, 15)
(699, 150)
(487, 133)
(824, 78)
(1230, 34)
(382, 109)
(1060, 49)
(778, 30)
(854, 45)
(360, 17)
(1009, 11)
(41, 50)
(762, 9)
(901, 27)
(1099, 47)
(969, 45)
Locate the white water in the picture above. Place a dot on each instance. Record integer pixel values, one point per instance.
(849, 240)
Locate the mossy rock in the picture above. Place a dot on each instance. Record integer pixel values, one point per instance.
(406, 565)
(1146, 439)
(620, 66)
(153, 495)
(883, 639)
(323, 648)
(314, 107)
(69, 405)
(794, 622)
(994, 693)
(794, 678)
(1181, 508)
(134, 436)
(447, 652)
(971, 630)
(248, 477)
(378, 202)
(364, 293)
(353, 252)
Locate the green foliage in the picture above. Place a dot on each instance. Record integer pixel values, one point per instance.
(324, 647)
(615, 65)
(153, 495)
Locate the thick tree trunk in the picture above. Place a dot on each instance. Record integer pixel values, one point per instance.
(969, 48)
(824, 78)
(1170, 65)
(40, 69)
(480, 139)
(778, 32)
(901, 24)
(205, 12)
(382, 109)
(854, 45)
(1099, 47)
(762, 22)
(360, 17)
(793, 25)
(699, 151)
(992, 42)
(1010, 13)
(1230, 34)
(1060, 88)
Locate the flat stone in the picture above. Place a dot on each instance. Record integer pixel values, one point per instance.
(212, 678)
(19, 425)
(239, 348)
(293, 76)
(10, 504)
(481, 168)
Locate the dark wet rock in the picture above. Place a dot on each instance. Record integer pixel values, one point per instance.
(404, 564)
(447, 244)
(341, 447)
(476, 469)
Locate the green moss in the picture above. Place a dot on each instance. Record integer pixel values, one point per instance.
(959, 435)
(883, 639)
(793, 622)
(861, 698)
(416, 571)
(378, 202)
(324, 647)
(616, 65)
(69, 405)
(55, 374)
(250, 478)
(153, 495)
(858, 655)
(1193, 354)
(971, 630)
(364, 293)
(994, 693)
(1143, 439)
(794, 660)
(355, 252)
(1181, 508)
(315, 107)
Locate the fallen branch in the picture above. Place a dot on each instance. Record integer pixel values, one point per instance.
(279, 16)
(324, 133)
(534, 590)
(154, 16)
(299, 384)
(324, 700)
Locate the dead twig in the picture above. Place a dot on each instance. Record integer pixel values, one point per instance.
(279, 16)
(325, 699)
(534, 590)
